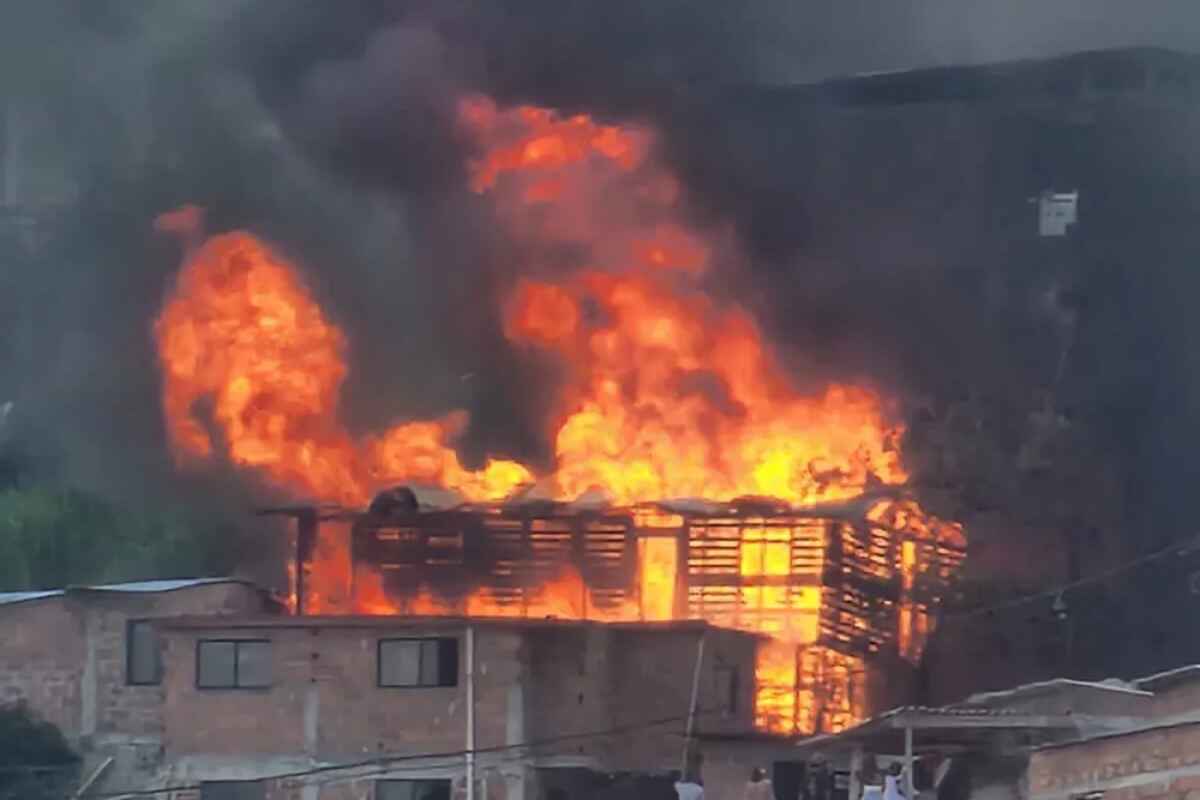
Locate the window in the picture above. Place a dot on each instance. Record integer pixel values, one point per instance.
(418, 662)
(728, 681)
(412, 790)
(233, 664)
(143, 661)
(233, 790)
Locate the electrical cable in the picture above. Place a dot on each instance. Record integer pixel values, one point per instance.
(385, 761)
(1175, 548)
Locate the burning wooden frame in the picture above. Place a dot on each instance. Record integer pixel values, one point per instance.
(832, 586)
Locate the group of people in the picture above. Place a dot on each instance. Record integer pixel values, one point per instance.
(758, 787)
(876, 785)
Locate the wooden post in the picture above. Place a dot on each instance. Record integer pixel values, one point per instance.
(691, 717)
(306, 538)
(470, 670)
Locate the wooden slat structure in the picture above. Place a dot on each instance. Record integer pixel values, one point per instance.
(848, 582)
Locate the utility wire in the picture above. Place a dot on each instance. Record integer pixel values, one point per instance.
(1176, 548)
(385, 761)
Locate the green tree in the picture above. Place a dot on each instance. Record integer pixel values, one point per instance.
(35, 760)
(51, 537)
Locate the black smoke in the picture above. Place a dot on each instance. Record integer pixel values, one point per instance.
(890, 245)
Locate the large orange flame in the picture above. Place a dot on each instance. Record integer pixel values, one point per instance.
(670, 392)
(242, 333)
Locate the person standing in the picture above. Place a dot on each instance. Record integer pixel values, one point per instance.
(759, 788)
(689, 788)
(891, 784)
(870, 780)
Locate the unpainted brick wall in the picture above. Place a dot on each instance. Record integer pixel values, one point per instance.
(137, 710)
(571, 683)
(1149, 761)
(1182, 698)
(42, 653)
(46, 645)
(653, 671)
(331, 672)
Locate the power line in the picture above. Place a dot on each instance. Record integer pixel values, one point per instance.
(1177, 548)
(455, 757)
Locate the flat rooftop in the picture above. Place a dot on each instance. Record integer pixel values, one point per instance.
(213, 621)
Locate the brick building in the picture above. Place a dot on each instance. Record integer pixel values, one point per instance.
(1156, 757)
(70, 655)
(202, 686)
(558, 706)
(1052, 740)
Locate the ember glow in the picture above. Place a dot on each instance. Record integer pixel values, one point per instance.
(669, 391)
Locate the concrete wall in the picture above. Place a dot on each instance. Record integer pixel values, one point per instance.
(1162, 763)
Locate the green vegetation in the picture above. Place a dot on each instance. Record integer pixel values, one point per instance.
(35, 759)
(52, 537)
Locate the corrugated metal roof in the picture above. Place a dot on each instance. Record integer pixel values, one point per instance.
(1111, 685)
(949, 711)
(156, 586)
(952, 721)
(20, 597)
(1172, 677)
(7, 598)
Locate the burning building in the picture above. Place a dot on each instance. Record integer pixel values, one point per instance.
(836, 588)
(802, 529)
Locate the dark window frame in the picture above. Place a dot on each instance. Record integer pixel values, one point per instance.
(445, 783)
(235, 685)
(447, 654)
(130, 624)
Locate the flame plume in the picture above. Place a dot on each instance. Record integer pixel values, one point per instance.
(669, 391)
(241, 332)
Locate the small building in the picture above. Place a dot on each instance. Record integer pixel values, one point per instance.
(86, 658)
(981, 748)
(202, 689)
(358, 707)
(1155, 757)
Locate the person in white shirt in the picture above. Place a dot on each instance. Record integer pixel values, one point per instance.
(689, 788)
(759, 787)
(870, 780)
(891, 784)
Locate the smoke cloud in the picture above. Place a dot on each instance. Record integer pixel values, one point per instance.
(874, 250)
